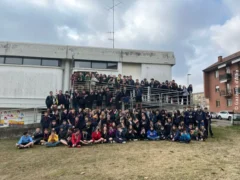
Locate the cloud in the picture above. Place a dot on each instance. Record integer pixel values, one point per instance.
(227, 36)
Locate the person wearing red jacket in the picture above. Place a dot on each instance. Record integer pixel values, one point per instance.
(97, 136)
(76, 138)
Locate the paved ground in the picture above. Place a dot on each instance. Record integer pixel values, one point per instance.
(222, 123)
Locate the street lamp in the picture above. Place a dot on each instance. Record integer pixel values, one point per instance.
(188, 79)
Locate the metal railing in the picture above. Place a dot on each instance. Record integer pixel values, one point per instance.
(226, 76)
(227, 92)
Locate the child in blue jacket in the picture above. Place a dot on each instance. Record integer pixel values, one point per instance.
(185, 136)
(152, 134)
(25, 141)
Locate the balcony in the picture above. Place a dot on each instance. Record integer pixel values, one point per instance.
(225, 77)
(237, 90)
(226, 93)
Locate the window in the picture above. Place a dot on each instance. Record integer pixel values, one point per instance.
(83, 64)
(31, 61)
(13, 60)
(95, 64)
(236, 90)
(228, 87)
(217, 103)
(1, 60)
(48, 62)
(112, 65)
(228, 70)
(217, 89)
(99, 65)
(216, 74)
(229, 102)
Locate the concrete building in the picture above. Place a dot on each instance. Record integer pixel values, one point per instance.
(29, 71)
(221, 83)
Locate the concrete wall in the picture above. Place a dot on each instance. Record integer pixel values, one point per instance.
(132, 69)
(91, 53)
(23, 86)
(158, 72)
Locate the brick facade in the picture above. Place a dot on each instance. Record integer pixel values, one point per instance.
(226, 81)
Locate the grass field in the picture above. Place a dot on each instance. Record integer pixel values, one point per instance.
(217, 158)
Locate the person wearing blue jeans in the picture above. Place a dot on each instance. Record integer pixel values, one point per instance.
(53, 140)
(152, 134)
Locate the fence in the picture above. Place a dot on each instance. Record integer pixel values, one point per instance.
(151, 98)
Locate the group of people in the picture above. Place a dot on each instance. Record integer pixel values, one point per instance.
(108, 96)
(120, 80)
(90, 126)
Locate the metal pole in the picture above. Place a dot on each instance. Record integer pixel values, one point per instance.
(178, 98)
(113, 22)
(188, 79)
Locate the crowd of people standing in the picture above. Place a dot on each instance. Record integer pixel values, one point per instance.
(71, 119)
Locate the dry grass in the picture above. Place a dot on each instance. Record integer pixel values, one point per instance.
(218, 158)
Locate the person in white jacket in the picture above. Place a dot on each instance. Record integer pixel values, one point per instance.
(93, 81)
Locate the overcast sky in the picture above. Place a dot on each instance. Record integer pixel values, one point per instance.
(197, 31)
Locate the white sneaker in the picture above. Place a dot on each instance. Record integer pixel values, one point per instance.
(124, 142)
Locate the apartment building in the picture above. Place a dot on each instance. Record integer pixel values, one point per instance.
(221, 84)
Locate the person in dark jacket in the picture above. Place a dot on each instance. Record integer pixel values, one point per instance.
(199, 116)
(208, 122)
(71, 117)
(37, 136)
(142, 134)
(68, 137)
(138, 97)
(174, 134)
(76, 123)
(54, 126)
(105, 135)
(118, 99)
(62, 133)
(191, 116)
(99, 98)
(75, 99)
(82, 100)
(67, 100)
(45, 121)
(86, 137)
(45, 137)
(64, 115)
(49, 100)
(131, 134)
(168, 127)
(162, 133)
(90, 99)
(120, 138)
(65, 126)
(108, 98)
(61, 99)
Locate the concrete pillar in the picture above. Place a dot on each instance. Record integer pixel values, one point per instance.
(66, 76)
(120, 68)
